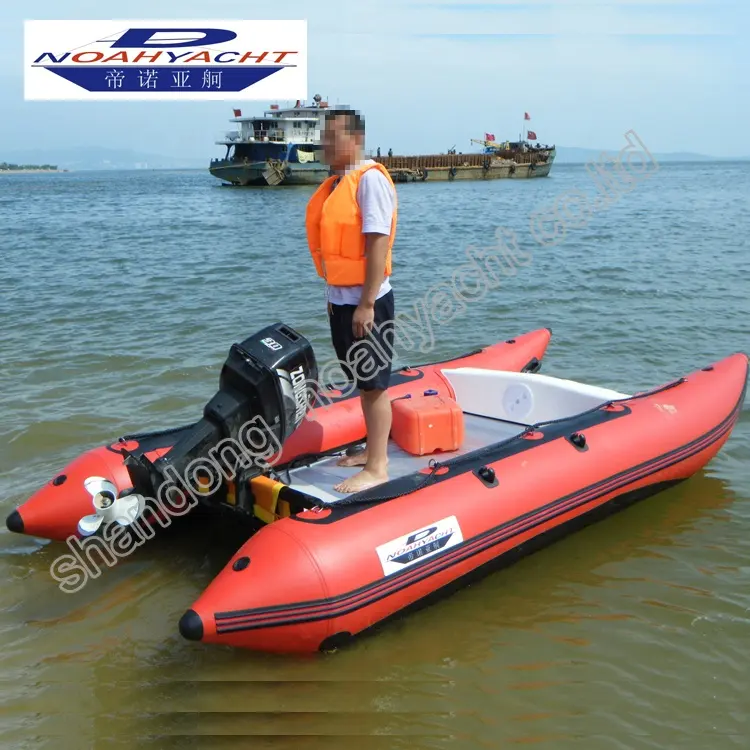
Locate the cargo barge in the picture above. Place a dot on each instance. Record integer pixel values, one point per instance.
(497, 161)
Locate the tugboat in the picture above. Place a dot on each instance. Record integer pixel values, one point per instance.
(280, 148)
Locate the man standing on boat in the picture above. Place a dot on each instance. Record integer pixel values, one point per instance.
(351, 225)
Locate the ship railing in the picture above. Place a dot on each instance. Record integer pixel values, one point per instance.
(254, 136)
(264, 136)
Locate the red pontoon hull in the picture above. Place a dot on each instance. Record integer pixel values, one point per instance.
(312, 581)
(54, 511)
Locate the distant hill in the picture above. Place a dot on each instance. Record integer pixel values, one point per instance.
(573, 155)
(90, 158)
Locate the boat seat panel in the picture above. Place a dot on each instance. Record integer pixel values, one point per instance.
(523, 397)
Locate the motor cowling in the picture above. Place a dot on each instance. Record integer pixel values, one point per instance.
(267, 382)
(269, 374)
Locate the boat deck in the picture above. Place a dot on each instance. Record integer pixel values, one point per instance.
(319, 478)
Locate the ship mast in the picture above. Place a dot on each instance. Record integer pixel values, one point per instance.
(524, 130)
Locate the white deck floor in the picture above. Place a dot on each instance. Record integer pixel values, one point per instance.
(319, 478)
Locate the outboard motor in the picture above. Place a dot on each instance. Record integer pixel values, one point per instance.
(266, 387)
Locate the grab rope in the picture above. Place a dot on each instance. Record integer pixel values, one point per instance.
(362, 498)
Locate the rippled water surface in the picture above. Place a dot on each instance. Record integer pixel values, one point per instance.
(122, 294)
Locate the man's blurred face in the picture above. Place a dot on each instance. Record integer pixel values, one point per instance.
(340, 144)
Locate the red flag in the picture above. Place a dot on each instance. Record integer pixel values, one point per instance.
(238, 113)
(489, 136)
(532, 135)
(526, 116)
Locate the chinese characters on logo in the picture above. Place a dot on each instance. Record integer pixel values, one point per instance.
(211, 79)
(114, 79)
(180, 79)
(148, 79)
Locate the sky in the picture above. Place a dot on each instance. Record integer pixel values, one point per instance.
(430, 75)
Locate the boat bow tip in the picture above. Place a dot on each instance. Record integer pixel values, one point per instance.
(14, 522)
(191, 626)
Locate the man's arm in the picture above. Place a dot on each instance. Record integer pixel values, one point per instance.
(376, 202)
(376, 250)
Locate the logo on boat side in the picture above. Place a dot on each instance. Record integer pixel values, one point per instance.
(165, 60)
(409, 549)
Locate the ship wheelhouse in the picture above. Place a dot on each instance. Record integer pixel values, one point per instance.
(291, 135)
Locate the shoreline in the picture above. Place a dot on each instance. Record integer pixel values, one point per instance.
(33, 171)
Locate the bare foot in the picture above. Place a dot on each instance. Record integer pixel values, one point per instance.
(361, 481)
(358, 459)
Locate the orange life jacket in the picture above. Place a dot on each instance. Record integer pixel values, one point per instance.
(334, 229)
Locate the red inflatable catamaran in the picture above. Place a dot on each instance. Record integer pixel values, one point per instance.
(488, 460)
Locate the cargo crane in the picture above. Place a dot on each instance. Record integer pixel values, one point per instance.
(492, 145)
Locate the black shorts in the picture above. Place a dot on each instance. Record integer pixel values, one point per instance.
(367, 361)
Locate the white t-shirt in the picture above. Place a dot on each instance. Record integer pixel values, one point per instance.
(376, 202)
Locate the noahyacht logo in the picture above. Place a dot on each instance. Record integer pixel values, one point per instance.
(165, 60)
